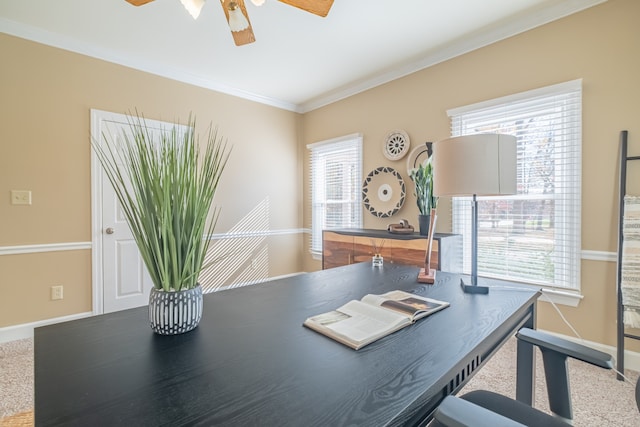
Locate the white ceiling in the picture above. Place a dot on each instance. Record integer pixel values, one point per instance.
(300, 61)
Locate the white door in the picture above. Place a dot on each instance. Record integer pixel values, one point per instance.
(122, 273)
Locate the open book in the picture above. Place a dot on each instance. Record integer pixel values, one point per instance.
(358, 323)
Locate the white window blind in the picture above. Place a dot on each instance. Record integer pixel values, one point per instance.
(336, 180)
(534, 236)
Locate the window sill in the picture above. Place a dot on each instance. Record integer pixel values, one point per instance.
(568, 298)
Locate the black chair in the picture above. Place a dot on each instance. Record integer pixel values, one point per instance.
(484, 408)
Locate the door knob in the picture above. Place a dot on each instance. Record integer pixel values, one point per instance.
(109, 230)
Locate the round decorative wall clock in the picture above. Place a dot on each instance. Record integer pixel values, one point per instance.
(396, 145)
(383, 192)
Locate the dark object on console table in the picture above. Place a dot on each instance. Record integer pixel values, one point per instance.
(352, 245)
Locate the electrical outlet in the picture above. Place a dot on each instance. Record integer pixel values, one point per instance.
(20, 197)
(56, 292)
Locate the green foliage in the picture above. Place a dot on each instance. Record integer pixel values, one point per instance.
(422, 178)
(166, 185)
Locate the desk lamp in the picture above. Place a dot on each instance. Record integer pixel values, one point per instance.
(428, 274)
(475, 165)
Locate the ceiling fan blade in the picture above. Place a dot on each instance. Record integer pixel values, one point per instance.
(239, 37)
(138, 2)
(317, 7)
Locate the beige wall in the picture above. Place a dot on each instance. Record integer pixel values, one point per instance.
(45, 102)
(600, 46)
(44, 111)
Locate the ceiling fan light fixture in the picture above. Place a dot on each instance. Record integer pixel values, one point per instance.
(138, 2)
(237, 21)
(193, 7)
(258, 2)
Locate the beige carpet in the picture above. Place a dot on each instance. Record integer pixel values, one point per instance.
(16, 383)
(598, 398)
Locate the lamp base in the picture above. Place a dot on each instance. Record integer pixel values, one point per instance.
(424, 277)
(473, 289)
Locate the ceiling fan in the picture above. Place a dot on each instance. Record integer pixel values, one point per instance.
(238, 18)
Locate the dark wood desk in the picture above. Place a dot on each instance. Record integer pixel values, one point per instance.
(251, 362)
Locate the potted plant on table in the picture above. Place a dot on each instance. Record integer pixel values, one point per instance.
(165, 184)
(422, 177)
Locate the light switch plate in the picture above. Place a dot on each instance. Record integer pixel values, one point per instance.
(20, 197)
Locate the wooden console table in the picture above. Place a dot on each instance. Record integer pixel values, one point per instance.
(353, 245)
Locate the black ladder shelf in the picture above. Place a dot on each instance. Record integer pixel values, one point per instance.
(624, 158)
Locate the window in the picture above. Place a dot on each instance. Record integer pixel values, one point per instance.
(336, 180)
(534, 236)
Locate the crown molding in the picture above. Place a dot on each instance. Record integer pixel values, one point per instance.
(464, 45)
(73, 45)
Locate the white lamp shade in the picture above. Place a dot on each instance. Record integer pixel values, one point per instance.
(482, 164)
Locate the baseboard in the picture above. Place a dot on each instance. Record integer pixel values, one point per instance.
(631, 358)
(25, 330)
(268, 279)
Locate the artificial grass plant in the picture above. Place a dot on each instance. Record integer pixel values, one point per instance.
(165, 183)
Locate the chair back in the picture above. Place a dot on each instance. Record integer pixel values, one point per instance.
(638, 393)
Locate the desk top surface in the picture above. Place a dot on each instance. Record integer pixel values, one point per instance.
(251, 362)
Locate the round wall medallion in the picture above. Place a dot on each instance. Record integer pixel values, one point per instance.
(419, 155)
(383, 192)
(396, 145)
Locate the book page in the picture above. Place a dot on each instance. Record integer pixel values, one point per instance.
(359, 322)
(410, 305)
